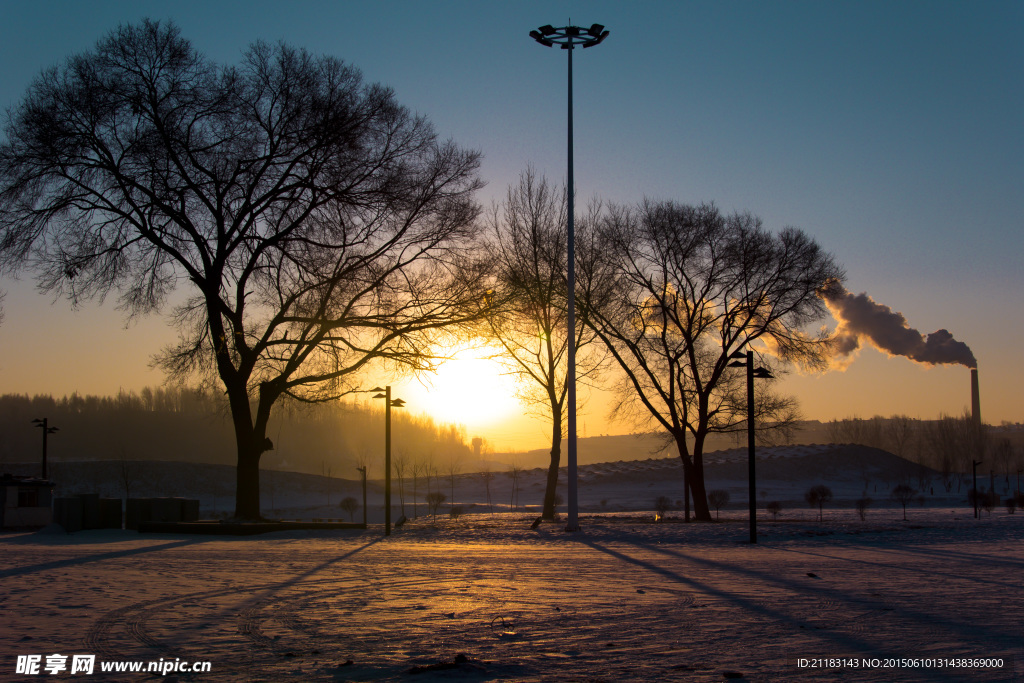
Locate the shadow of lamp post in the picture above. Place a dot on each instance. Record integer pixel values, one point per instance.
(569, 37)
(389, 403)
(44, 425)
(746, 360)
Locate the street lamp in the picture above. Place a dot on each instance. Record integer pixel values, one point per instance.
(747, 360)
(43, 424)
(569, 37)
(389, 403)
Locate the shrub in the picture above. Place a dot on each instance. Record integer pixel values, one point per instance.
(434, 500)
(349, 505)
(774, 508)
(817, 496)
(717, 499)
(456, 511)
(1011, 505)
(662, 504)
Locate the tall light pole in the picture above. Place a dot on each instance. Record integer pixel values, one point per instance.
(388, 404)
(568, 37)
(43, 424)
(747, 360)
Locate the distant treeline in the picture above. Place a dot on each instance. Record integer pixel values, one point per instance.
(193, 425)
(948, 445)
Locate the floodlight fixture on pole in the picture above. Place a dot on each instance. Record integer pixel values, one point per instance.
(43, 423)
(746, 360)
(569, 38)
(389, 403)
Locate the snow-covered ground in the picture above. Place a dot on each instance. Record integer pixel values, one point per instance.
(624, 599)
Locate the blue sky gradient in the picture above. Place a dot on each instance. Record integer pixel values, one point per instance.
(890, 131)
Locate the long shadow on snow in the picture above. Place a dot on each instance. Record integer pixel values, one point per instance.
(966, 632)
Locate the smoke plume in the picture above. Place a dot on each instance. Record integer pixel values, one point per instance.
(861, 318)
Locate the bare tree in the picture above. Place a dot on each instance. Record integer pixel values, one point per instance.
(416, 468)
(400, 461)
(514, 471)
(313, 219)
(350, 505)
(530, 319)
(454, 465)
(128, 472)
(901, 430)
(817, 496)
(488, 476)
(693, 287)
(434, 501)
(903, 495)
(718, 498)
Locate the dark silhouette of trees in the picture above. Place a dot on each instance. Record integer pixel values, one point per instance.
(692, 287)
(774, 508)
(529, 318)
(313, 219)
(817, 496)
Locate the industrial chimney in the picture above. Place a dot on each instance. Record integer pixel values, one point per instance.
(975, 399)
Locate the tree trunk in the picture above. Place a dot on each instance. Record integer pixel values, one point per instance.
(695, 478)
(247, 485)
(251, 442)
(548, 512)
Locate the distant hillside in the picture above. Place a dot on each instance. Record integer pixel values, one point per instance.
(642, 446)
(784, 474)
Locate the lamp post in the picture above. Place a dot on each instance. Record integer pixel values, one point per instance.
(388, 404)
(43, 424)
(747, 360)
(568, 37)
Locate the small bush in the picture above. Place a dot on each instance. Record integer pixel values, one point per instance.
(774, 508)
(662, 504)
(349, 505)
(434, 500)
(1011, 505)
(456, 511)
(718, 498)
(817, 496)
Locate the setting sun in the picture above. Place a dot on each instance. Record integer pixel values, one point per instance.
(471, 389)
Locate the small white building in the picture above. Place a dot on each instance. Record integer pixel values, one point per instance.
(25, 502)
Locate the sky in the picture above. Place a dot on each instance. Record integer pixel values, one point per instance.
(889, 131)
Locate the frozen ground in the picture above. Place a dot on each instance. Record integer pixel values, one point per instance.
(622, 600)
